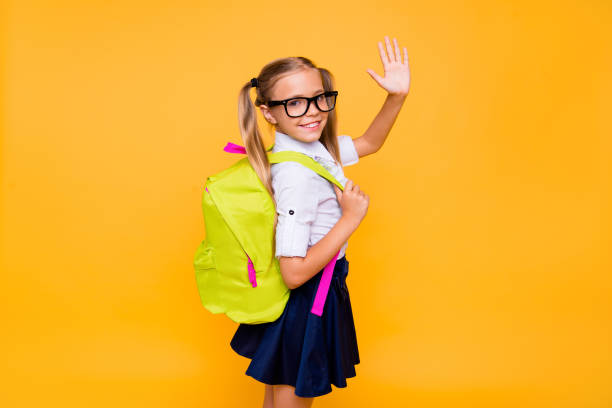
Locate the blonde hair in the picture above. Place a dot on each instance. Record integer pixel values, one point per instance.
(247, 116)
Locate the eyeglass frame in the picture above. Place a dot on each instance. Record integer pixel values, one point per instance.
(311, 99)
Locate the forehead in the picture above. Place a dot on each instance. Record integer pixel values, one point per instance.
(304, 82)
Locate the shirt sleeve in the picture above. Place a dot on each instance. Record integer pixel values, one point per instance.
(348, 153)
(296, 196)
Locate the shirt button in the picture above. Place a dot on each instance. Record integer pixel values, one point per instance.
(291, 212)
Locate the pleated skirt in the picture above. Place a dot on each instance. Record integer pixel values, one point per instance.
(301, 349)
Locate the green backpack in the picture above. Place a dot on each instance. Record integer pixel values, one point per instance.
(236, 270)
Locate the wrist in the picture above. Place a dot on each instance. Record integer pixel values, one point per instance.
(397, 97)
(350, 221)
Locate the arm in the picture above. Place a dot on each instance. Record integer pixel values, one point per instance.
(354, 205)
(296, 269)
(296, 192)
(396, 82)
(373, 138)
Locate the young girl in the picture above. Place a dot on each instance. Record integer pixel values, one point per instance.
(299, 355)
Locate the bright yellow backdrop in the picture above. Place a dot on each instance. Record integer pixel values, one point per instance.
(479, 278)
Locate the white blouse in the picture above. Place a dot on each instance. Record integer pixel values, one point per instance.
(306, 202)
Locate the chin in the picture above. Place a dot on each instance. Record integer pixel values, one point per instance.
(311, 137)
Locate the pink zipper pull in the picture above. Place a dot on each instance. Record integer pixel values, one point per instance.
(251, 269)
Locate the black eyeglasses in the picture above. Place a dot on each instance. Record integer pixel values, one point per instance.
(296, 107)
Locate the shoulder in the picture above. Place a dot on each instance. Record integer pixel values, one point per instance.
(290, 172)
(295, 184)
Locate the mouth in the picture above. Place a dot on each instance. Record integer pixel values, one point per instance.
(311, 125)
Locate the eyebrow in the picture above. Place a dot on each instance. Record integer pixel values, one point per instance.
(300, 95)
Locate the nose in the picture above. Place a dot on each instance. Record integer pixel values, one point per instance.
(313, 109)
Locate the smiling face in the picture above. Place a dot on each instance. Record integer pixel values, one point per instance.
(306, 82)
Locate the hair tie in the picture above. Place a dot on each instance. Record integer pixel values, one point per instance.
(254, 82)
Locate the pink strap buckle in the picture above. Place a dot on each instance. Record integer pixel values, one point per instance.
(323, 288)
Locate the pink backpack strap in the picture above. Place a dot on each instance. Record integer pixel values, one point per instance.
(323, 288)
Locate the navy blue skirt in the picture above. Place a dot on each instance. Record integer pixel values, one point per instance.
(302, 349)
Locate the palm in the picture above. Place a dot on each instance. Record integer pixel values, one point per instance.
(396, 79)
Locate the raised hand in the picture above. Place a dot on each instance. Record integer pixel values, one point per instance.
(396, 79)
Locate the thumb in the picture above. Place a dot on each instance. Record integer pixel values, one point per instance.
(375, 76)
(337, 191)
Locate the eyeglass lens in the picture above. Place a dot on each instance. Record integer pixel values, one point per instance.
(298, 106)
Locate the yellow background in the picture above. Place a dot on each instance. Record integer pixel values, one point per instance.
(479, 278)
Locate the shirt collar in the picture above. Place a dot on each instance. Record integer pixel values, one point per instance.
(314, 149)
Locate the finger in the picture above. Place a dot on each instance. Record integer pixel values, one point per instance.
(405, 56)
(389, 49)
(356, 188)
(337, 191)
(398, 54)
(383, 56)
(348, 185)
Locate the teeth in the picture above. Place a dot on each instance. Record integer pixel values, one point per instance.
(313, 124)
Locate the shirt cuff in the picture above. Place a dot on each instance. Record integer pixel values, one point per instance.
(348, 153)
(292, 237)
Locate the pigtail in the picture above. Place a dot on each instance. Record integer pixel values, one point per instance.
(253, 141)
(329, 134)
(252, 138)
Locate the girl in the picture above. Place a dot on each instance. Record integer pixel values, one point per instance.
(299, 355)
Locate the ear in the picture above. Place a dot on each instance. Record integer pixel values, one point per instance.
(267, 114)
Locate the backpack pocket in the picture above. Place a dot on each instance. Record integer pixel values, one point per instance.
(204, 257)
